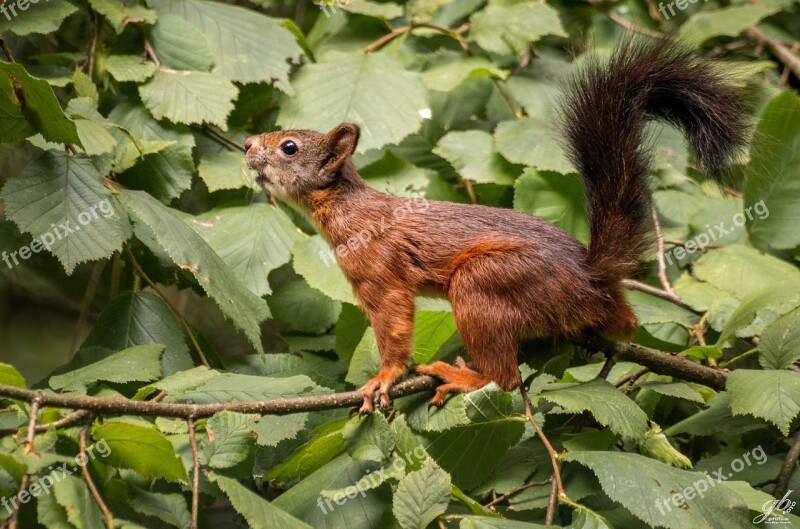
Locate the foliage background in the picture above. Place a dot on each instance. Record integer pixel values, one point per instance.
(178, 294)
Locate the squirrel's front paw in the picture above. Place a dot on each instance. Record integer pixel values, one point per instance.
(381, 383)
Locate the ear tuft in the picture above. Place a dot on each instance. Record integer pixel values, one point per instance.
(341, 142)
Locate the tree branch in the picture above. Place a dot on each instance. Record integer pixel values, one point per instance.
(787, 469)
(36, 404)
(783, 54)
(110, 406)
(87, 477)
(195, 475)
(657, 361)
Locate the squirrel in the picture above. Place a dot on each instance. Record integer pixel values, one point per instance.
(507, 274)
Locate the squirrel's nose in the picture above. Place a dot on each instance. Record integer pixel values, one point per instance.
(248, 143)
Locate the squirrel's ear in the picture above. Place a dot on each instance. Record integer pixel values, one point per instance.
(341, 142)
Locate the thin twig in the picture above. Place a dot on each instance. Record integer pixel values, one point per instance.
(632, 378)
(660, 259)
(607, 367)
(177, 314)
(195, 475)
(36, 404)
(552, 501)
(6, 50)
(96, 27)
(148, 48)
(633, 28)
(63, 422)
(632, 284)
(787, 469)
(223, 139)
(87, 477)
(702, 248)
(516, 491)
(551, 452)
(401, 30)
(783, 54)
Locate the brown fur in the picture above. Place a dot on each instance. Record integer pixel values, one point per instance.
(507, 274)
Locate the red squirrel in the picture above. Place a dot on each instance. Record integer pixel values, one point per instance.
(507, 274)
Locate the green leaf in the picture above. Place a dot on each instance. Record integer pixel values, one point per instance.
(395, 176)
(81, 509)
(421, 496)
(372, 90)
(508, 30)
(229, 440)
(758, 309)
(485, 522)
(461, 450)
(189, 97)
(718, 418)
(166, 172)
(383, 10)
(41, 109)
(42, 17)
(169, 508)
(450, 68)
(316, 262)
(727, 21)
(233, 387)
(431, 331)
(304, 308)
(247, 47)
(532, 142)
(252, 240)
(680, 390)
(645, 487)
(180, 45)
(472, 154)
(772, 178)
(140, 363)
(129, 68)
(259, 513)
(309, 457)
(138, 318)
(771, 395)
(557, 198)
(366, 361)
(364, 509)
(10, 376)
(272, 429)
(92, 127)
(190, 252)
(120, 14)
(50, 513)
(741, 270)
(780, 342)
(224, 170)
(62, 202)
(368, 438)
(607, 404)
(141, 449)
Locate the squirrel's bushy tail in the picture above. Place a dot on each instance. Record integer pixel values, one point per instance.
(603, 116)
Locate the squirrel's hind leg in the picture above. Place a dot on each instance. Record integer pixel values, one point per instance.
(457, 379)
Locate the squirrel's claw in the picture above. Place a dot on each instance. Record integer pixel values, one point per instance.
(380, 383)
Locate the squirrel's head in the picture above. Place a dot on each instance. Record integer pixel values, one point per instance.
(293, 163)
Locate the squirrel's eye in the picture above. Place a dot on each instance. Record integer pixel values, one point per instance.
(289, 148)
